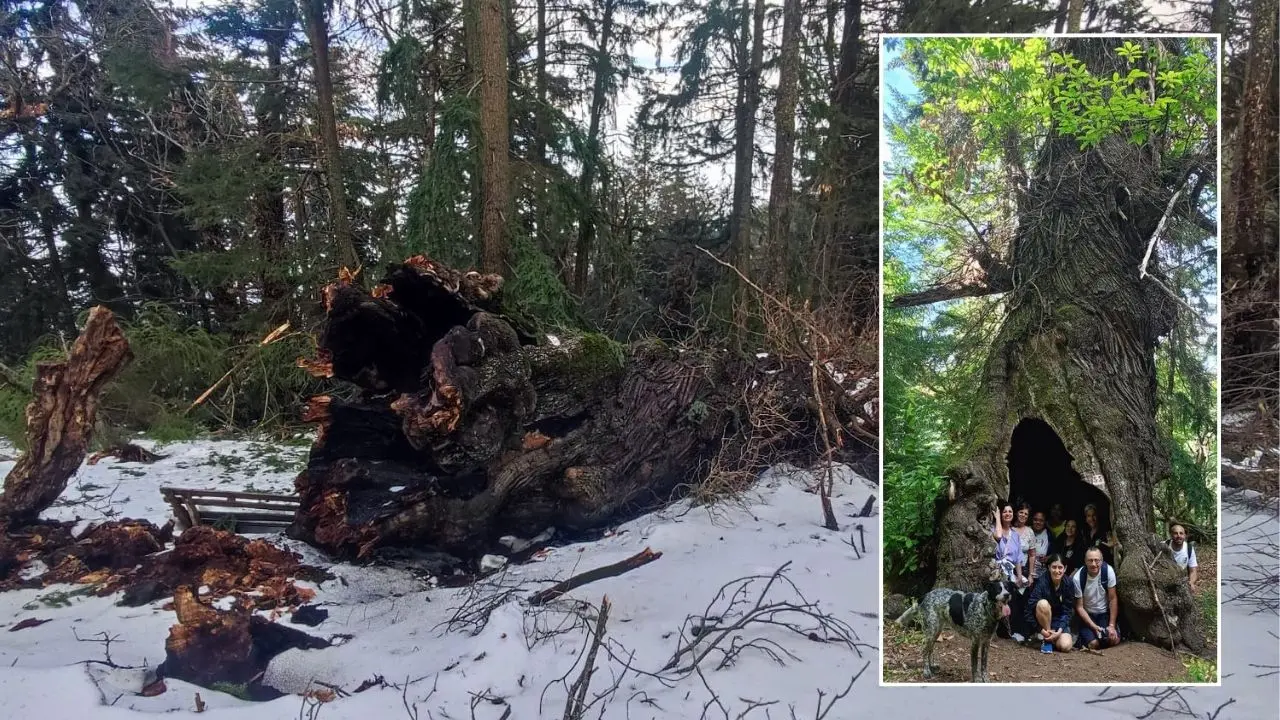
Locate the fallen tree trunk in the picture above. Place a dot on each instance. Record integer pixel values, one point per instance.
(61, 416)
(468, 429)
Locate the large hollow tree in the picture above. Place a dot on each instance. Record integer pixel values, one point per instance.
(1073, 243)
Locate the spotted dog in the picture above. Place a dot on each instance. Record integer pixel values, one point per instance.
(973, 615)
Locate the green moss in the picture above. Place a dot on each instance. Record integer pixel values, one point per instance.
(597, 357)
(239, 690)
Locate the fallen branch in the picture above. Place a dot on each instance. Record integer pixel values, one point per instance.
(644, 557)
(575, 706)
(717, 626)
(1156, 596)
(271, 337)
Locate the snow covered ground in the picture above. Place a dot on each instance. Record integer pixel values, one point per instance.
(520, 661)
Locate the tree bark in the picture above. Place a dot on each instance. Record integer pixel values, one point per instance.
(318, 34)
(784, 145)
(1250, 253)
(60, 418)
(848, 214)
(586, 184)
(489, 62)
(750, 45)
(1076, 350)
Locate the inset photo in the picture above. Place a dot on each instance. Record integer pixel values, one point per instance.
(1050, 359)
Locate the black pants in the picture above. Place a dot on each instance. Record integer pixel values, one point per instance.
(1017, 616)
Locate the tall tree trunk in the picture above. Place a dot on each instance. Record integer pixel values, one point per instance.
(784, 145)
(586, 182)
(851, 211)
(750, 54)
(1076, 351)
(1249, 253)
(1220, 17)
(1075, 9)
(268, 206)
(1255, 139)
(489, 61)
(318, 33)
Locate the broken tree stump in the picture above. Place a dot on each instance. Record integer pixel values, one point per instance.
(60, 418)
(469, 429)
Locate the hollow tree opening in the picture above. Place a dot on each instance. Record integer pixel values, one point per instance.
(1041, 472)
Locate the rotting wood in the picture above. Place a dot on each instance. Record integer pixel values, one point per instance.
(468, 427)
(61, 416)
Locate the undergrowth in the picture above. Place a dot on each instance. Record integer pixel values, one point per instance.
(174, 362)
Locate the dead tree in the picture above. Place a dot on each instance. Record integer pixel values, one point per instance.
(61, 416)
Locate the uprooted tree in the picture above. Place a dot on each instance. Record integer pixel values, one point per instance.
(467, 428)
(1128, 152)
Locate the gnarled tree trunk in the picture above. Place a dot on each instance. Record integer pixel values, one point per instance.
(60, 418)
(468, 431)
(1076, 350)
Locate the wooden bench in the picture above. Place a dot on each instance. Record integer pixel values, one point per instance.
(241, 512)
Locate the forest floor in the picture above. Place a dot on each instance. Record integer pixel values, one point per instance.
(440, 659)
(1008, 662)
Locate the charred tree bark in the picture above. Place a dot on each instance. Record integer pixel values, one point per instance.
(1077, 351)
(467, 431)
(60, 418)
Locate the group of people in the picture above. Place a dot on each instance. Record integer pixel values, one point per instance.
(1065, 576)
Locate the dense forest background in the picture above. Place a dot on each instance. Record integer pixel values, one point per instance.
(202, 170)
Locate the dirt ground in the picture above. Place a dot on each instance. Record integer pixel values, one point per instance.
(1009, 662)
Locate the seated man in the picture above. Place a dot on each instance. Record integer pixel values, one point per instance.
(1097, 606)
(1184, 552)
(1049, 605)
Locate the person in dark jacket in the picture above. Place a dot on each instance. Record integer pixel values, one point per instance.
(1099, 536)
(1050, 604)
(1070, 545)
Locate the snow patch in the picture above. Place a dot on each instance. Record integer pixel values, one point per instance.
(482, 639)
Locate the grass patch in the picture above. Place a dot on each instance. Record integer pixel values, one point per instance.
(1199, 670)
(239, 690)
(58, 598)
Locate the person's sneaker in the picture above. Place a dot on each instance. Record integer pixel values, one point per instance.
(1018, 638)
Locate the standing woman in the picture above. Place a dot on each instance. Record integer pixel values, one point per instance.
(1011, 557)
(1070, 546)
(1028, 538)
(1097, 536)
